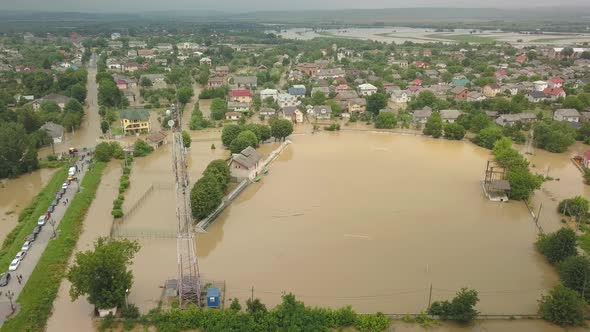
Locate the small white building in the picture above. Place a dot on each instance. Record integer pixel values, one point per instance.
(449, 116)
(367, 89)
(246, 164)
(540, 85)
(566, 114)
(269, 93)
(55, 131)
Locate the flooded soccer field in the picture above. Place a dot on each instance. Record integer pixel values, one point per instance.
(373, 220)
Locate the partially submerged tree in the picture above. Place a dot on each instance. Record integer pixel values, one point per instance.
(102, 273)
(460, 309)
(563, 306)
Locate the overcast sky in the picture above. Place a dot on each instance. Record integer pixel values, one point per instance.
(258, 5)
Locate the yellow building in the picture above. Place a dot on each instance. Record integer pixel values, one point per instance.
(135, 121)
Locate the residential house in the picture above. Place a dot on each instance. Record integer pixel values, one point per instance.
(295, 75)
(157, 139)
(417, 82)
(585, 116)
(330, 73)
(132, 53)
(164, 47)
(449, 116)
(222, 71)
(536, 96)
(233, 116)
(556, 52)
(566, 114)
(512, 119)
(154, 78)
(55, 131)
(521, 58)
(241, 95)
(137, 44)
(459, 93)
(320, 112)
(421, 116)
(554, 93)
(346, 95)
(205, 61)
(475, 96)
(492, 114)
(309, 69)
(287, 100)
(245, 81)
(401, 96)
(555, 82)
(269, 93)
(400, 63)
(426, 53)
(323, 89)
(267, 111)
(367, 89)
(501, 75)
(216, 82)
(421, 64)
(292, 113)
(540, 85)
(135, 121)
(342, 87)
(115, 44)
(129, 95)
(238, 106)
(357, 105)
(491, 90)
(148, 54)
(246, 164)
(297, 90)
(460, 81)
(60, 100)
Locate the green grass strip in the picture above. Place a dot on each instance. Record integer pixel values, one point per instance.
(27, 219)
(36, 299)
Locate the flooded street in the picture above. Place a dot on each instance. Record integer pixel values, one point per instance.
(77, 316)
(373, 220)
(16, 194)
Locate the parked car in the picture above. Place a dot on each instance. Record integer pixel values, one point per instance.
(31, 237)
(26, 246)
(59, 195)
(55, 202)
(20, 255)
(41, 221)
(37, 230)
(14, 264)
(50, 210)
(4, 279)
(64, 185)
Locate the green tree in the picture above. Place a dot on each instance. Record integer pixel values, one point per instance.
(454, 131)
(219, 170)
(460, 309)
(574, 207)
(184, 94)
(73, 105)
(141, 148)
(554, 136)
(206, 196)
(376, 102)
(229, 133)
(385, 120)
(108, 94)
(563, 306)
(218, 109)
(104, 126)
(574, 273)
(102, 274)
(235, 305)
(281, 128)
(18, 154)
(318, 98)
(558, 246)
(186, 139)
(434, 125)
(245, 139)
(78, 92)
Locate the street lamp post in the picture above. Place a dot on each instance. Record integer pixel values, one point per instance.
(126, 299)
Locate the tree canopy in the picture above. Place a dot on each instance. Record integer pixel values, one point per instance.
(563, 306)
(102, 273)
(558, 246)
(281, 128)
(434, 126)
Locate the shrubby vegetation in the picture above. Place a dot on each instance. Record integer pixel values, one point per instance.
(563, 306)
(281, 128)
(208, 191)
(141, 148)
(106, 151)
(233, 136)
(554, 136)
(574, 272)
(461, 308)
(574, 207)
(385, 120)
(522, 182)
(197, 121)
(434, 126)
(557, 246)
(454, 131)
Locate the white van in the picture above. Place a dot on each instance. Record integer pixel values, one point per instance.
(72, 171)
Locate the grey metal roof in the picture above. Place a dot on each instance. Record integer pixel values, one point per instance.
(248, 157)
(53, 129)
(567, 112)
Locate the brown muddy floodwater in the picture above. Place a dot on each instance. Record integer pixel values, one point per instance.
(16, 194)
(373, 220)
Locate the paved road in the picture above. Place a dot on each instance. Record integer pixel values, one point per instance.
(86, 137)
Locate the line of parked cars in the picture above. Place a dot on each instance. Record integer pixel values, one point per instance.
(29, 239)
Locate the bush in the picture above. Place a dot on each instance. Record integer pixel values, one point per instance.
(117, 213)
(385, 120)
(563, 306)
(554, 136)
(372, 322)
(488, 136)
(522, 182)
(333, 127)
(141, 148)
(245, 139)
(557, 246)
(574, 207)
(206, 196)
(460, 309)
(433, 126)
(454, 131)
(574, 272)
(130, 311)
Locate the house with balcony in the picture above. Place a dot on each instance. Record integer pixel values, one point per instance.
(135, 121)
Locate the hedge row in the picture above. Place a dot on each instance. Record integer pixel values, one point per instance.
(36, 299)
(117, 210)
(27, 219)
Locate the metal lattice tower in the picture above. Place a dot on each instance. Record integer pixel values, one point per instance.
(189, 280)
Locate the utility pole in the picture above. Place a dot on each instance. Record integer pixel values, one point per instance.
(430, 296)
(538, 214)
(252, 295)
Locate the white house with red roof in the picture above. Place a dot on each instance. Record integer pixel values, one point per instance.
(421, 64)
(241, 95)
(521, 58)
(555, 82)
(554, 93)
(417, 82)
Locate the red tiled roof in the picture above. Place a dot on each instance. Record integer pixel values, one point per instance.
(557, 80)
(501, 72)
(240, 93)
(553, 91)
(417, 81)
(415, 88)
(587, 155)
(342, 87)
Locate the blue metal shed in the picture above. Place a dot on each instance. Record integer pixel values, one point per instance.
(213, 297)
